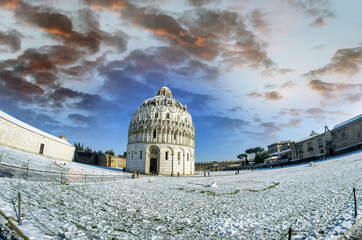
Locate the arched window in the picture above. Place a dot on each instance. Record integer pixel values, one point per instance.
(140, 154)
(174, 137)
(179, 156)
(166, 156)
(187, 157)
(156, 115)
(154, 133)
(167, 116)
(154, 151)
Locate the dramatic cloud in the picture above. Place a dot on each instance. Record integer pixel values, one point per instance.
(59, 26)
(106, 4)
(320, 10)
(348, 92)
(10, 41)
(344, 61)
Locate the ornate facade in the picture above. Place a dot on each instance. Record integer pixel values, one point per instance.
(161, 137)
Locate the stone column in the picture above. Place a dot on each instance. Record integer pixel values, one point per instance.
(184, 163)
(172, 163)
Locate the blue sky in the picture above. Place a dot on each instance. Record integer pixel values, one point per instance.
(250, 72)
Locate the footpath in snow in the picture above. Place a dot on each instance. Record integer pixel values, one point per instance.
(315, 201)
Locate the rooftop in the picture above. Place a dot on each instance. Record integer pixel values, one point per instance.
(31, 128)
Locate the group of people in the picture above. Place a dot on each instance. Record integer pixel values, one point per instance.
(134, 175)
(208, 174)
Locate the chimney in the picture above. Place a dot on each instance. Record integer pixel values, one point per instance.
(63, 138)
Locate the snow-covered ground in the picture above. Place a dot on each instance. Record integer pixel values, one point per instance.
(315, 201)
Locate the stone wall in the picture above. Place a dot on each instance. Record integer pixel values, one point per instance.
(19, 135)
(100, 159)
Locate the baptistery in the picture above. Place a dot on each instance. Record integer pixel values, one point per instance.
(161, 137)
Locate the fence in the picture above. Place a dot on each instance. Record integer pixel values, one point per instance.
(66, 176)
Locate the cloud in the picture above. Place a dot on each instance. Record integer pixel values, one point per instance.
(258, 21)
(290, 111)
(273, 95)
(107, 4)
(293, 123)
(342, 91)
(344, 61)
(10, 41)
(199, 3)
(196, 101)
(59, 26)
(220, 125)
(314, 113)
(254, 94)
(236, 109)
(10, 4)
(272, 127)
(288, 84)
(320, 10)
(267, 95)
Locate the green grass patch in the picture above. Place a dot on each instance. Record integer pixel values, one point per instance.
(264, 189)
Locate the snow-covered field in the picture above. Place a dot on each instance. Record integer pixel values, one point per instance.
(315, 201)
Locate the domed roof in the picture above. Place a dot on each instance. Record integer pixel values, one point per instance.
(163, 98)
(164, 91)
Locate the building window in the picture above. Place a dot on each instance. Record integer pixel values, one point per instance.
(166, 156)
(140, 154)
(344, 136)
(310, 146)
(320, 143)
(41, 150)
(154, 133)
(175, 136)
(179, 156)
(167, 116)
(187, 157)
(156, 115)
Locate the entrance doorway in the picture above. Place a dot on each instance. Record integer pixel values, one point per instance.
(153, 165)
(154, 160)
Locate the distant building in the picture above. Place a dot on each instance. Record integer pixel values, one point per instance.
(344, 137)
(347, 135)
(100, 159)
(279, 152)
(17, 134)
(161, 137)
